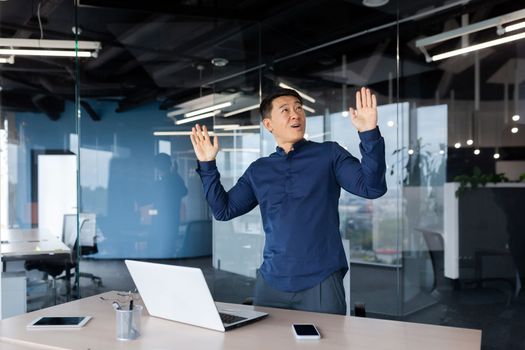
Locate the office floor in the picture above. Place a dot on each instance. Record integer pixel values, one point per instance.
(485, 308)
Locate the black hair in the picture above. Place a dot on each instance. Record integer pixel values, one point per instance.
(266, 105)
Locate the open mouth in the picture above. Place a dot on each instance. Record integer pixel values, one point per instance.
(295, 126)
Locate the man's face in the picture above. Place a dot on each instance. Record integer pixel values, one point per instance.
(288, 121)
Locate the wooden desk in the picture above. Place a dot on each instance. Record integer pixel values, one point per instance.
(273, 332)
(19, 244)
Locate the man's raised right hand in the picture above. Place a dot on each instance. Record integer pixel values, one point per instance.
(204, 149)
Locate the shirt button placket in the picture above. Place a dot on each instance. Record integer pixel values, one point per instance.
(289, 179)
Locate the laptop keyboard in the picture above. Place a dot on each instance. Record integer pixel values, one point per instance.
(227, 318)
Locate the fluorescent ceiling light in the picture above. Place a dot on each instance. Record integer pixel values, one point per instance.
(60, 48)
(238, 111)
(247, 127)
(513, 27)
(226, 126)
(188, 133)
(471, 28)
(54, 53)
(207, 109)
(309, 109)
(197, 117)
(171, 133)
(302, 94)
(10, 59)
(478, 46)
(51, 44)
(495, 22)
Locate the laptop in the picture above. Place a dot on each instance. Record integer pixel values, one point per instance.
(181, 294)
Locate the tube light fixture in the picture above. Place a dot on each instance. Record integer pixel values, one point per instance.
(309, 109)
(207, 109)
(246, 127)
(54, 53)
(478, 47)
(513, 27)
(10, 59)
(44, 47)
(188, 133)
(495, 22)
(302, 94)
(225, 126)
(238, 111)
(171, 133)
(197, 117)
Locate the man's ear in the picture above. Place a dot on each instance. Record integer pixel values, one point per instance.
(267, 122)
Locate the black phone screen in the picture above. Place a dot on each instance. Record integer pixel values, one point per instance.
(305, 329)
(59, 321)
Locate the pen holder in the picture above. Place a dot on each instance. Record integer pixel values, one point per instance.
(128, 323)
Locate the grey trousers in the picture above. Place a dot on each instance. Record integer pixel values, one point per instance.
(328, 296)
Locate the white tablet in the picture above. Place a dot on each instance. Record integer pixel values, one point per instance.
(46, 322)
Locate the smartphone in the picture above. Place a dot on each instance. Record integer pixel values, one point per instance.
(306, 331)
(59, 322)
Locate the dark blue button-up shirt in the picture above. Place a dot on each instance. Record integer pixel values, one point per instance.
(298, 195)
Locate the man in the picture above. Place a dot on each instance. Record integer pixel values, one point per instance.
(297, 189)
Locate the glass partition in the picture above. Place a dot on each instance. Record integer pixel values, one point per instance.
(160, 73)
(38, 154)
(460, 234)
(98, 148)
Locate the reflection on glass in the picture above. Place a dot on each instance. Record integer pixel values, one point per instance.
(238, 243)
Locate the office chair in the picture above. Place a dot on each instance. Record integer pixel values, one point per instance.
(84, 244)
(60, 269)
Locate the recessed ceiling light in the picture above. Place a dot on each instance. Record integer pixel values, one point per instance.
(219, 61)
(374, 3)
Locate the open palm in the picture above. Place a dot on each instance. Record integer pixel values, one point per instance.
(364, 117)
(202, 145)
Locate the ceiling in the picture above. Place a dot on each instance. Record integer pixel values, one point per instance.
(159, 51)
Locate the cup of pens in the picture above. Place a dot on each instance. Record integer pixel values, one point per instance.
(128, 320)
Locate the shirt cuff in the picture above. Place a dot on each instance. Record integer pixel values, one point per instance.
(370, 135)
(206, 166)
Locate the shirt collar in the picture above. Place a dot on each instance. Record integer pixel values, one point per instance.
(280, 151)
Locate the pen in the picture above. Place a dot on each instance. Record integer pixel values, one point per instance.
(131, 331)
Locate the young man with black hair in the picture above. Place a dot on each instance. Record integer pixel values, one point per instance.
(297, 189)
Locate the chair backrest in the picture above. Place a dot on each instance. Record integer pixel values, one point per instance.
(87, 232)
